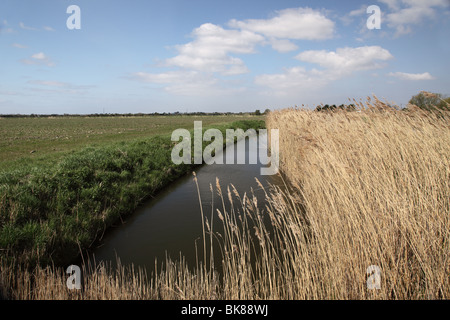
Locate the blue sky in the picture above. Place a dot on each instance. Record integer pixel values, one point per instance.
(178, 55)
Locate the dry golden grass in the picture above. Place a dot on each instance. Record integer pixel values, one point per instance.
(370, 187)
(375, 186)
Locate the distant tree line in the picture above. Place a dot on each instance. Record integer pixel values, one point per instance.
(257, 112)
(327, 107)
(433, 102)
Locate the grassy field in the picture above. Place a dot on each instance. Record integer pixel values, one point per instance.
(56, 205)
(37, 140)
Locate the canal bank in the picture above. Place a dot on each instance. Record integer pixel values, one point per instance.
(169, 225)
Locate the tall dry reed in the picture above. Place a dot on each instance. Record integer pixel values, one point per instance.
(375, 186)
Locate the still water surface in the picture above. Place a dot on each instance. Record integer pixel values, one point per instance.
(170, 223)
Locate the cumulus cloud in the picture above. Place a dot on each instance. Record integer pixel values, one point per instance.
(401, 16)
(347, 59)
(392, 4)
(211, 50)
(335, 65)
(215, 52)
(282, 45)
(295, 23)
(405, 14)
(412, 76)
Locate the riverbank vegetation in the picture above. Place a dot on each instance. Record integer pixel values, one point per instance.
(53, 209)
(367, 190)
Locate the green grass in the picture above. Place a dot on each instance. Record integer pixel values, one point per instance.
(38, 140)
(53, 208)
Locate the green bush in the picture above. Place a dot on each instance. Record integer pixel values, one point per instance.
(430, 101)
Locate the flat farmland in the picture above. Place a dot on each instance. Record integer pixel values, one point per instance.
(36, 139)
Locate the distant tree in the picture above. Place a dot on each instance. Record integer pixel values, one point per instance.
(351, 107)
(257, 112)
(429, 101)
(447, 101)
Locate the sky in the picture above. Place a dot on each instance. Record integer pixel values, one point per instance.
(144, 56)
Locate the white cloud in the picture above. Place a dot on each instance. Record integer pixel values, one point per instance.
(47, 28)
(407, 13)
(214, 50)
(188, 83)
(336, 65)
(358, 12)
(39, 59)
(211, 52)
(296, 78)
(211, 48)
(392, 4)
(282, 45)
(412, 76)
(39, 56)
(398, 15)
(426, 3)
(347, 59)
(297, 23)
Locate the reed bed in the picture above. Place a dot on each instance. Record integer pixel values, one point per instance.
(365, 188)
(375, 187)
